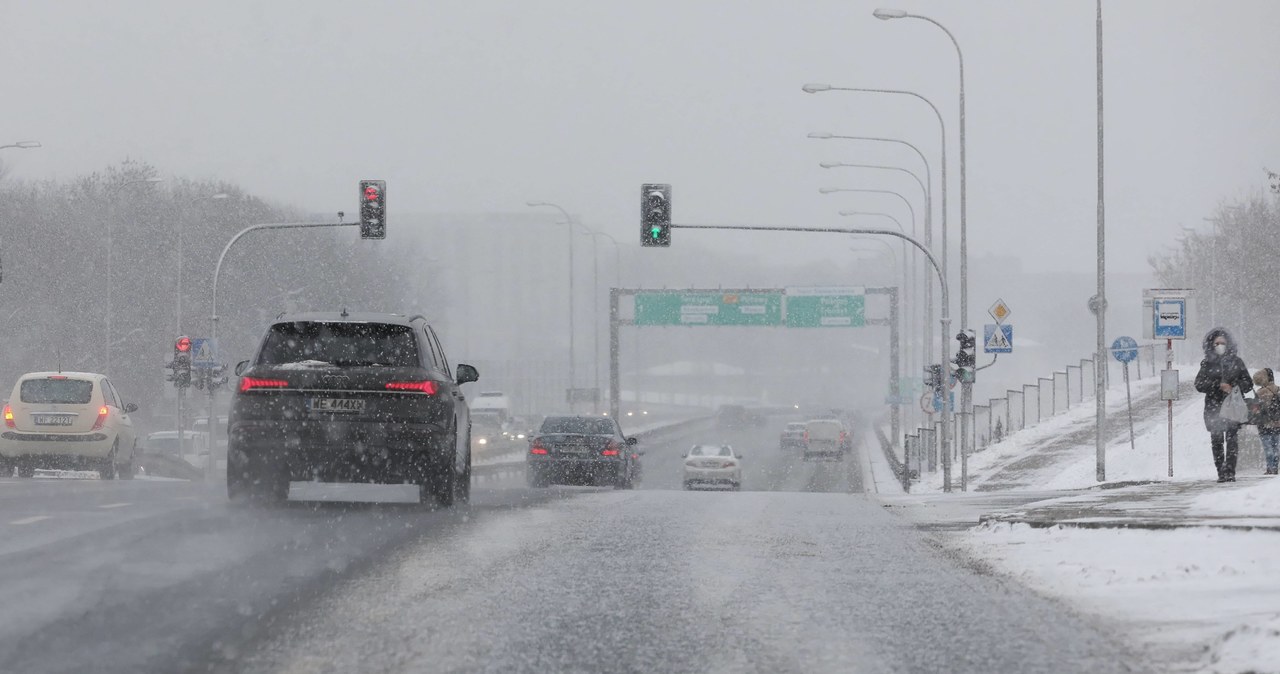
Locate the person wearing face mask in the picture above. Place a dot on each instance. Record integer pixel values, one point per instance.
(1221, 371)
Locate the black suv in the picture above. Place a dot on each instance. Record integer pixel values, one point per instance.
(582, 450)
(344, 397)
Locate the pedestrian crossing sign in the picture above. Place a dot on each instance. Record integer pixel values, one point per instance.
(203, 352)
(997, 338)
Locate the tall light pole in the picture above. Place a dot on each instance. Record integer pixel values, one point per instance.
(595, 303)
(107, 343)
(966, 389)
(572, 353)
(942, 128)
(908, 340)
(927, 188)
(896, 410)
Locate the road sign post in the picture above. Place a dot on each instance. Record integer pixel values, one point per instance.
(1125, 350)
(1165, 313)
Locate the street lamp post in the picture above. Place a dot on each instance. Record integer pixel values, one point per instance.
(177, 327)
(110, 281)
(908, 337)
(927, 188)
(572, 353)
(909, 262)
(617, 270)
(942, 127)
(966, 389)
(896, 410)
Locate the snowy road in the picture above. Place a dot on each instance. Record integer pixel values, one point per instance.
(799, 572)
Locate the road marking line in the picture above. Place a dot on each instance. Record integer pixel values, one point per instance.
(114, 505)
(31, 520)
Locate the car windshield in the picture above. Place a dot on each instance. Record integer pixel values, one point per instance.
(340, 344)
(577, 425)
(54, 391)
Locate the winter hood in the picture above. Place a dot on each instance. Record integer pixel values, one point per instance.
(1207, 344)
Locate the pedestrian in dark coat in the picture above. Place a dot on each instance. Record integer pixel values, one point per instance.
(1220, 372)
(1268, 421)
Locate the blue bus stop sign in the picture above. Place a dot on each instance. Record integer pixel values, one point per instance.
(1125, 349)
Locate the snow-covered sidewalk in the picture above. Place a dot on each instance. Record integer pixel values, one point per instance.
(1196, 600)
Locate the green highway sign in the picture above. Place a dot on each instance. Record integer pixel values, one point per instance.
(727, 308)
(826, 307)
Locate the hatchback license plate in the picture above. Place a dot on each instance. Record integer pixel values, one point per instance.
(53, 419)
(338, 405)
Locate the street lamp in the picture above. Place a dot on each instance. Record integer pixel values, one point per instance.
(110, 281)
(23, 145)
(928, 218)
(885, 14)
(572, 353)
(817, 88)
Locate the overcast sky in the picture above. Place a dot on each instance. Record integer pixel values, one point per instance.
(478, 105)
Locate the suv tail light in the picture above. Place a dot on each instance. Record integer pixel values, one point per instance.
(250, 383)
(8, 417)
(611, 449)
(427, 387)
(102, 418)
(537, 448)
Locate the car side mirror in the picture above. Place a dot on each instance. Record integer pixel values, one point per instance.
(467, 374)
(739, 457)
(241, 367)
(632, 442)
(130, 408)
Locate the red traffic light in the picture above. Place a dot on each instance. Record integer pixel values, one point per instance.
(183, 344)
(371, 193)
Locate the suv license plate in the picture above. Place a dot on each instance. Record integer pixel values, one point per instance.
(338, 405)
(53, 419)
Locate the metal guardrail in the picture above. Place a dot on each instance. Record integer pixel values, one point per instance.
(514, 467)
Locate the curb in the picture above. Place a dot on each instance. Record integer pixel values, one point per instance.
(1150, 525)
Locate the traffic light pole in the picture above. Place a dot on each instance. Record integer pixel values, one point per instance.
(945, 321)
(213, 311)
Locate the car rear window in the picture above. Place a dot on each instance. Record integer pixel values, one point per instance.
(706, 450)
(340, 344)
(57, 391)
(577, 425)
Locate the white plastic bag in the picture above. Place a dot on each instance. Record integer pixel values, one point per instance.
(1234, 408)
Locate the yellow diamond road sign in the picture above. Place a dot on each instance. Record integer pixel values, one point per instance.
(999, 311)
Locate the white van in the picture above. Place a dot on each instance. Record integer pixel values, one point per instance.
(825, 437)
(194, 450)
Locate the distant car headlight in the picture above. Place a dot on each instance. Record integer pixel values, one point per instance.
(520, 436)
(484, 441)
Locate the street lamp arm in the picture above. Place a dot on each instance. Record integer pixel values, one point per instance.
(217, 269)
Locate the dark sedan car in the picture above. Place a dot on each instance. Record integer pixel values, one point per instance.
(582, 450)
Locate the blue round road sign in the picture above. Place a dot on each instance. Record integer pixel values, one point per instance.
(1125, 349)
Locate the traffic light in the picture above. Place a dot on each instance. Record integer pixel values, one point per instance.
(373, 209)
(966, 357)
(182, 362)
(655, 215)
(933, 379)
(217, 377)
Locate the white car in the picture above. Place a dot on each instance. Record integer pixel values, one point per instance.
(712, 465)
(69, 420)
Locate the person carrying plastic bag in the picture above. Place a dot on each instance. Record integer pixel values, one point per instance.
(1223, 377)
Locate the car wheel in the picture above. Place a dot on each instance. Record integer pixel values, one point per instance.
(464, 483)
(107, 468)
(441, 486)
(26, 467)
(536, 479)
(125, 470)
(624, 480)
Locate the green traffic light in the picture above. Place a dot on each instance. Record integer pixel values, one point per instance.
(655, 232)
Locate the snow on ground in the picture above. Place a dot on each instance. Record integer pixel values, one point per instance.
(1148, 459)
(1262, 500)
(1018, 445)
(1198, 600)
